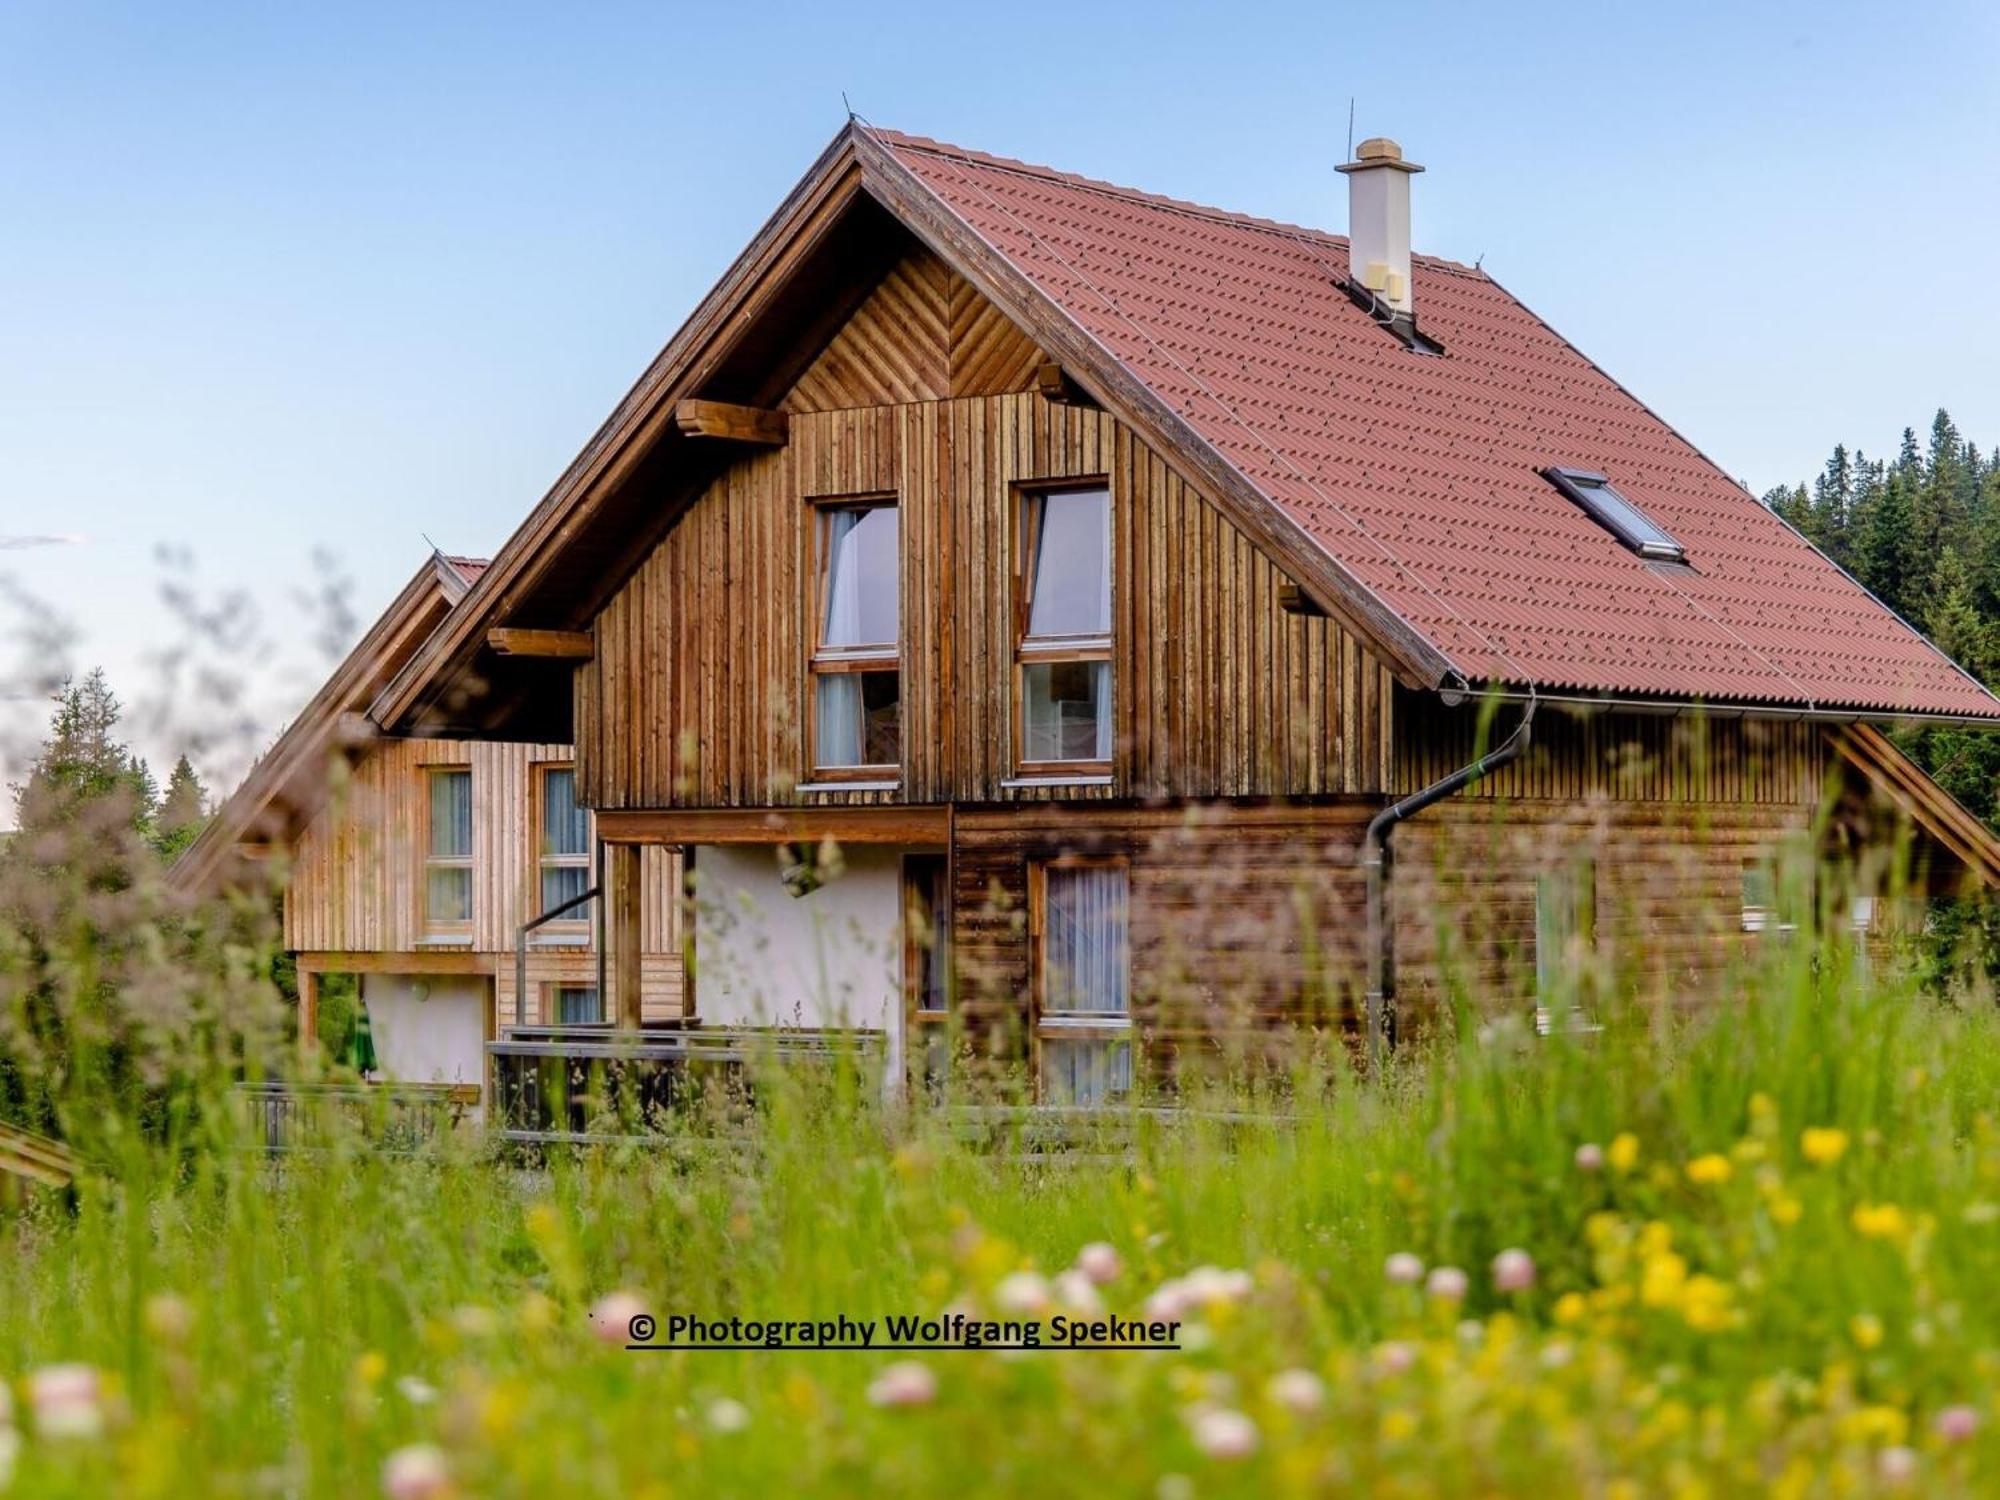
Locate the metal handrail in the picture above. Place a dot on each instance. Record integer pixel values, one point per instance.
(521, 951)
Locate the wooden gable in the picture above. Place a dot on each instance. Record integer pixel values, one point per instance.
(923, 334)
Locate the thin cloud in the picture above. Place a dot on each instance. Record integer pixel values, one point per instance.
(46, 539)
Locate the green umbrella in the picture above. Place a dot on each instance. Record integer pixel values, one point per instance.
(361, 1043)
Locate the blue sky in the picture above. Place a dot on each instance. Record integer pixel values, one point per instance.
(279, 278)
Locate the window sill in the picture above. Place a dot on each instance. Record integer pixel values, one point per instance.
(438, 940)
(1016, 783)
(560, 940)
(895, 785)
(1076, 1023)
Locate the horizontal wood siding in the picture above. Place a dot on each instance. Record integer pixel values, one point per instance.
(1685, 758)
(696, 695)
(356, 883)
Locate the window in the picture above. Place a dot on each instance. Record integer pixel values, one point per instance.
(1084, 1025)
(1064, 604)
(1617, 515)
(1764, 906)
(857, 687)
(565, 844)
(927, 933)
(927, 965)
(1565, 941)
(448, 855)
(576, 1005)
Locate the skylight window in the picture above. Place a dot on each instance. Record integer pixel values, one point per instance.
(1617, 515)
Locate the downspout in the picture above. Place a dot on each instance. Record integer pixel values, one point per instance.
(1378, 860)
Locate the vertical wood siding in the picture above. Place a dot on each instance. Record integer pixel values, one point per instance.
(696, 694)
(357, 880)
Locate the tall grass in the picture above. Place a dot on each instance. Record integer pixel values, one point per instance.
(1713, 1310)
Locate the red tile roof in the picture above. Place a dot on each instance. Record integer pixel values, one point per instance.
(1422, 474)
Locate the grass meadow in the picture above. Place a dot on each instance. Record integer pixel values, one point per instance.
(1751, 1250)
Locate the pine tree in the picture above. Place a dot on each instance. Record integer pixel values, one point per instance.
(1833, 505)
(1889, 559)
(1952, 618)
(83, 767)
(183, 810)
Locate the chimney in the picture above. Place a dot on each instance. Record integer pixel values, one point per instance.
(1378, 222)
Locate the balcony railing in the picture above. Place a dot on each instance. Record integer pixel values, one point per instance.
(393, 1116)
(555, 1084)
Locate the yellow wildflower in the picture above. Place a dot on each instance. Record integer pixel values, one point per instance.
(1705, 1305)
(1397, 1424)
(1822, 1145)
(1623, 1153)
(1879, 1221)
(1571, 1307)
(1785, 1209)
(371, 1367)
(1661, 1281)
(1711, 1170)
(1865, 1329)
(1875, 1424)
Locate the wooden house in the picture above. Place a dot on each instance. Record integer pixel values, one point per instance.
(1026, 610)
(414, 865)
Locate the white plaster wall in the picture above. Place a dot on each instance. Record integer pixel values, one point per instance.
(764, 957)
(427, 1030)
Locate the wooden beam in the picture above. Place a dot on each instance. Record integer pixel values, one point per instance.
(737, 424)
(1294, 600)
(550, 645)
(436, 961)
(1056, 386)
(621, 880)
(929, 826)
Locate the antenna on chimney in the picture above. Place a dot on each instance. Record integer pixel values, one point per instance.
(1350, 129)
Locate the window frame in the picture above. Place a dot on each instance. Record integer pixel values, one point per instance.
(449, 929)
(1069, 1025)
(927, 1029)
(1055, 650)
(825, 660)
(573, 929)
(1768, 916)
(552, 992)
(1580, 484)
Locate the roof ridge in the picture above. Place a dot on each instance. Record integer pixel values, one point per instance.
(925, 145)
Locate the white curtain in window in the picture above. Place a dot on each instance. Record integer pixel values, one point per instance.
(565, 826)
(1086, 963)
(862, 596)
(839, 719)
(843, 582)
(451, 814)
(1080, 1071)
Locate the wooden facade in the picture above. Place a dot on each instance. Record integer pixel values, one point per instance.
(696, 694)
(1253, 740)
(354, 896)
(1264, 703)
